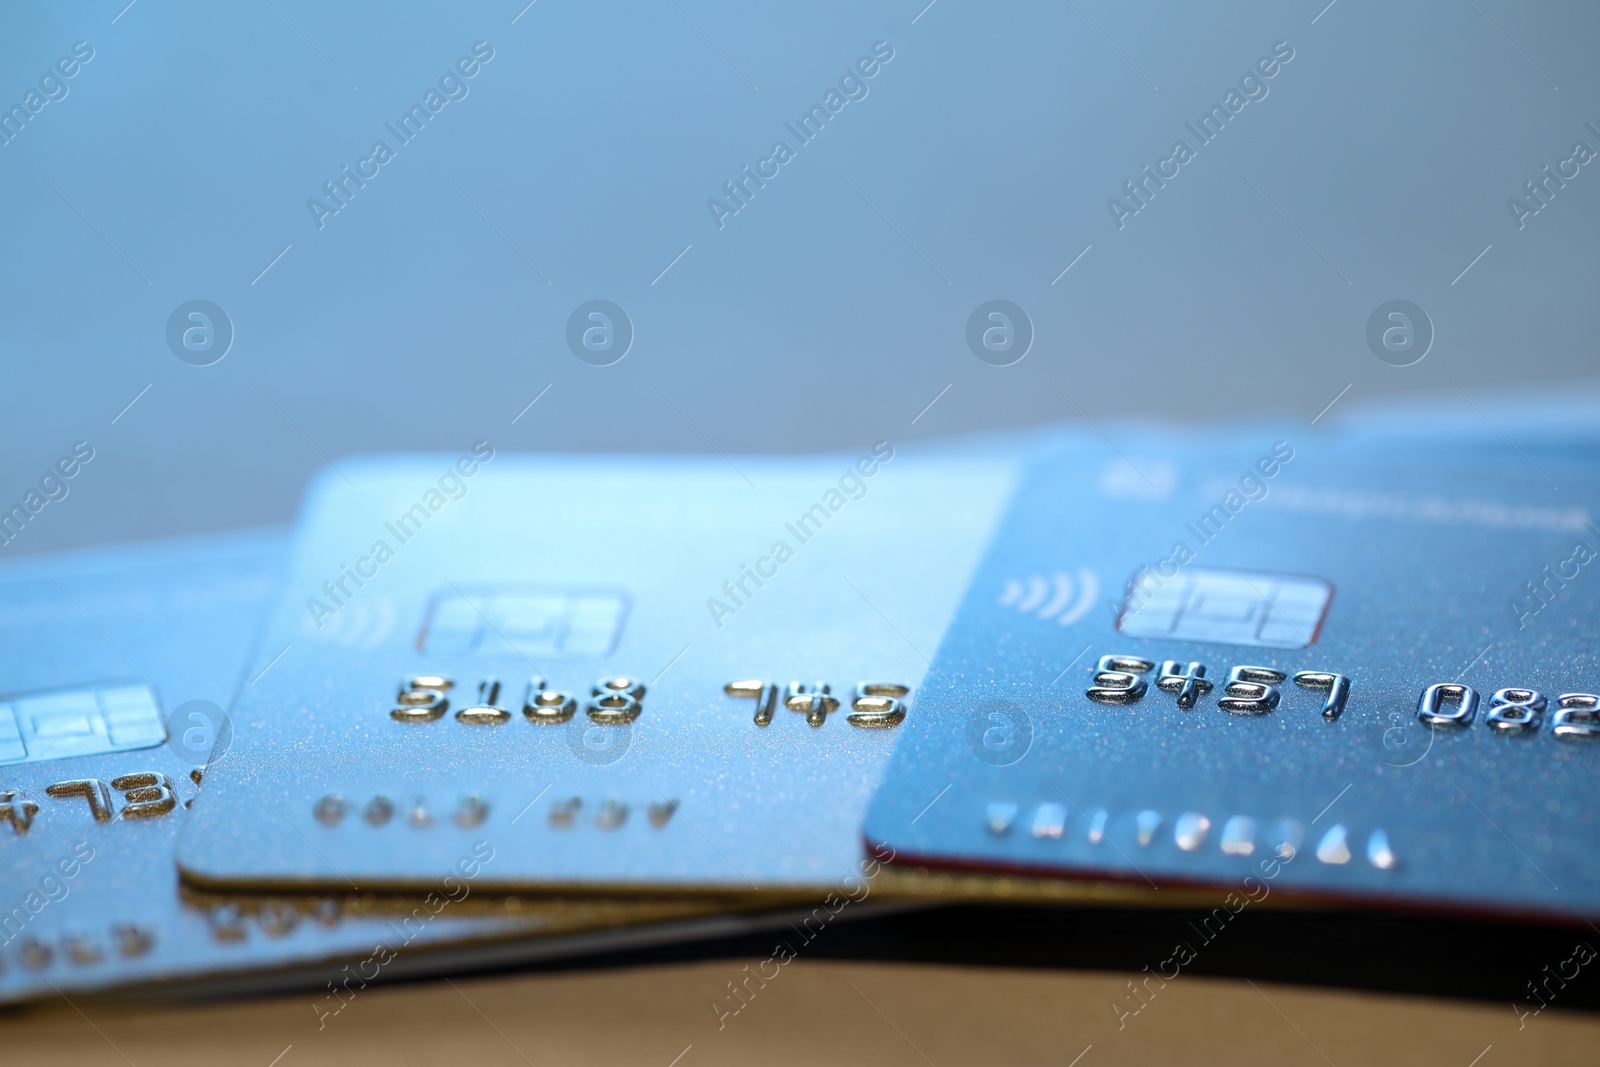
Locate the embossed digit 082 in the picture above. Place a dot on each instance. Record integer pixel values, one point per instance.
(1513, 712)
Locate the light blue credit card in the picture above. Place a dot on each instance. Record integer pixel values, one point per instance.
(628, 674)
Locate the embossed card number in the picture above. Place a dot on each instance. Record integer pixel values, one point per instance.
(612, 701)
(145, 795)
(1247, 691)
(619, 699)
(875, 705)
(1513, 711)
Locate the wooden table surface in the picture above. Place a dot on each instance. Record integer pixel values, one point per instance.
(812, 1011)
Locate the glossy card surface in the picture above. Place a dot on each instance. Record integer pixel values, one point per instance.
(448, 694)
(101, 652)
(1364, 674)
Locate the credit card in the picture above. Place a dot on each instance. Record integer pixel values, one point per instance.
(1358, 674)
(115, 667)
(629, 674)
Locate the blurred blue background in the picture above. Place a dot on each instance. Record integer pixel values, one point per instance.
(832, 308)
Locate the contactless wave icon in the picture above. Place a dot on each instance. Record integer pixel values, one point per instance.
(1064, 597)
(358, 624)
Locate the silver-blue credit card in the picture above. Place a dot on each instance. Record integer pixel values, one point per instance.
(629, 674)
(1363, 674)
(115, 666)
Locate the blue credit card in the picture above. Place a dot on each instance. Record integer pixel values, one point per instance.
(1363, 673)
(116, 666)
(628, 674)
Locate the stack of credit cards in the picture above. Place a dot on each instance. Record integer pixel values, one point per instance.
(482, 708)
(117, 666)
